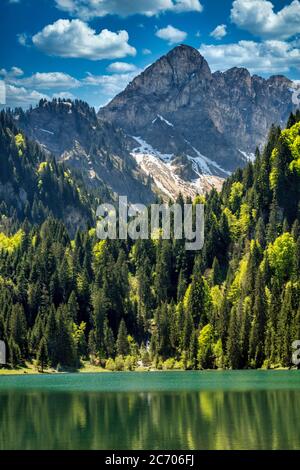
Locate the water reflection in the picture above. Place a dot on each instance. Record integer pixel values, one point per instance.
(155, 420)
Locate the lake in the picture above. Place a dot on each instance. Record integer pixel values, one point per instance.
(151, 410)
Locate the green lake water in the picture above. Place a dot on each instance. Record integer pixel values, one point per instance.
(154, 410)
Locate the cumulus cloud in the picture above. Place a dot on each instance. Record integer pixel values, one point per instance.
(17, 72)
(23, 39)
(219, 32)
(21, 97)
(12, 73)
(171, 34)
(46, 81)
(258, 17)
(17, 96)
(74, 38)
(266, 57)
(87, 9)
(25, 91)
(64, 95)
(121, 67)
(110, 85)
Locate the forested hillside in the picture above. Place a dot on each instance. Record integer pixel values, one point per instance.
(235, 304)
(34, 186)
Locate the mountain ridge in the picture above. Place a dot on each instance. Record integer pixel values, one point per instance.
(177, 127)
(71, 132)
(215, 112)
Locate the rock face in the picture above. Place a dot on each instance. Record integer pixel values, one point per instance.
(108, 159)
(179, 107)
(72, 132)
(177, 127)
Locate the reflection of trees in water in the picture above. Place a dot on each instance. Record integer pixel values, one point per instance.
(183, 420)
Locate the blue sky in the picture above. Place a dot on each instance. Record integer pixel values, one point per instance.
(91, 49)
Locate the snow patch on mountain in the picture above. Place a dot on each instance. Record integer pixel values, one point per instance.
(248, 156)
(163, 171)
(205, 165)
(163, 120)
(147, 149)
(47, 132)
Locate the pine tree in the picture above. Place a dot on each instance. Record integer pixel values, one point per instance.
(216, 276)
(51, 336)
(233, 341)
(65, 348)
(245, 330)
(109, 341)
(182, 285)
(73, 307)
(285, 338)
(18, 328)
(193, 350)
(187, 332)
(198, 302)
(42, 355)
(122, 340)
(163, 286)
(258, 328)
(14, 353)
(205, 349)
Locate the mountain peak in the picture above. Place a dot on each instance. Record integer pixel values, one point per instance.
(186, 59)
(180, 65)
(222, 116)
(183, 49)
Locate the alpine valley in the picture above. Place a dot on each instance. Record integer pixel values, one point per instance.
(68, 299)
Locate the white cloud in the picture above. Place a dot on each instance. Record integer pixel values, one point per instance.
(258, 17)
(171, 34)
(76, 39)
(121, 67)
(219, 32)
(87, 9)
(26, 91)
(23, 39)
(146, 52)
(12, 73)
(46, 81)
(64, 95)
(270, 57)
(110, 85)
(20, 97)
(17, 72)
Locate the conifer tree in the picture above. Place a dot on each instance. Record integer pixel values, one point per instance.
(18, 328)
(258, 328)
(233, 341)
(42, 355)
(122, 340)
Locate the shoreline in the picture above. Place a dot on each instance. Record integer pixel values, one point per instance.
(30, 369)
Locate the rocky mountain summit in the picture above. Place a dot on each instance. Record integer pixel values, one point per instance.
(177, 127)
(179, 107)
